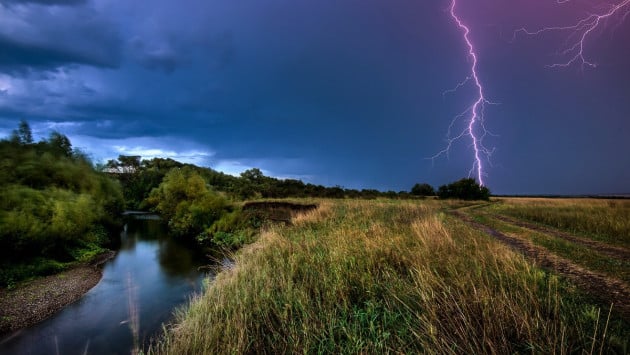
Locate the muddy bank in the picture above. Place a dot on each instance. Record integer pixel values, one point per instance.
(33, 301)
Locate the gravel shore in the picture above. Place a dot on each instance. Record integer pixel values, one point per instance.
(36, 300)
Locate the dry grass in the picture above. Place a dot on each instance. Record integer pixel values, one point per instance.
(600, 219)
(587, 256)
(385, 276)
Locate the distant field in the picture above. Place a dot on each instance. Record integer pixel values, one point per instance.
(588, 232)
(395, 276)
(600, 219)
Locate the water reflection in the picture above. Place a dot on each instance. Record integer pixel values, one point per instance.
(153, 270)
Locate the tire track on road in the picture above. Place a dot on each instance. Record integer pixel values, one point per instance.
(609, 250)
(603, 288)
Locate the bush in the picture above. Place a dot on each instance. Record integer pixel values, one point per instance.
(53, 205)
(422, 190)
(464, 189)
(186, 203)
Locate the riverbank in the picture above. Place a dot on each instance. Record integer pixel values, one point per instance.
(379, 276)
(33, 301)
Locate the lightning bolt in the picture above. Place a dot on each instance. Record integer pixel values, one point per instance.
(578, 33)
(473, 115)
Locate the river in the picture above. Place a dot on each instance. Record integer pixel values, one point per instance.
(151, 275)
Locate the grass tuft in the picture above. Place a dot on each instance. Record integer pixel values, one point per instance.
(386, 276)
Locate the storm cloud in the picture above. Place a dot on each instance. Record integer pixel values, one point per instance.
(340, 93)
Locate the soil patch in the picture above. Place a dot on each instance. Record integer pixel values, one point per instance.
(33, 301)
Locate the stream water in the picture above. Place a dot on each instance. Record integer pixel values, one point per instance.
(151, 275)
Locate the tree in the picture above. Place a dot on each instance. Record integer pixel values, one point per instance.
(23, 134)
(60, 144)
(54, 208)
(184, 200)
(422, 190)
(129, 163)
(464, 189)
(254, 175)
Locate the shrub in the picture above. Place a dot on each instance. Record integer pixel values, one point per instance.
(464, 189)
(186, 203)
(422, 190)
(53, 204)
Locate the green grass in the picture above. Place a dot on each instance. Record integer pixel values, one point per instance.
(386, 276)
(12, 273)
(604, 220)
(581, 255)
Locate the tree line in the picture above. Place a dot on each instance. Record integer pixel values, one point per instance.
(55, 208)
(139, 177)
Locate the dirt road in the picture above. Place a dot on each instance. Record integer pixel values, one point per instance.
(605, 289)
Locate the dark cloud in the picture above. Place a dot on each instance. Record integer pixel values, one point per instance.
(20, 57)
(47, 2)
(163, 61)
(346, 93)
(161, 56)
(36, 39)
(168, 52)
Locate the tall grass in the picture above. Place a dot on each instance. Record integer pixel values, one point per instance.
(605, 220)
(356, 276)
(590, 258)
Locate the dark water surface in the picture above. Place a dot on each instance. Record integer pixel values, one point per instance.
(150, 276)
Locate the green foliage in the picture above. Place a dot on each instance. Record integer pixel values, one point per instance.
(234, 229)
(139, 177)
(422, 190)
(60, 144)
(11, 274)
(40, 221)
(23, 134)
(229, 240)
(53, 204)
(191, 208)
(184, 200)
(464, 189)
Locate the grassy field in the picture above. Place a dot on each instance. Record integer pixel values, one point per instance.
(591, 233)
(388, 276)
(604, 220)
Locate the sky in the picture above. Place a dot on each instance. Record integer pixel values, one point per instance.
(350, 93)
